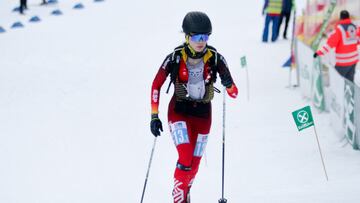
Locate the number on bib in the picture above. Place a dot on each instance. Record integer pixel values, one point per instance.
(179, 133)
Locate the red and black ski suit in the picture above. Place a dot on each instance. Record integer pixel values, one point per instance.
(189, 121)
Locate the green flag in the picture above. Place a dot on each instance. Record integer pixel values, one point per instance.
(243, 61)
(303, 118)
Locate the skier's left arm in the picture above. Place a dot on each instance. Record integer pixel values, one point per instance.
(225, 77)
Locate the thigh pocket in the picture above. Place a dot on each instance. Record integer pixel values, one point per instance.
(179, 133)
(200, 145)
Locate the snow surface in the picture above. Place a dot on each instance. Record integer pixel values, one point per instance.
(75, 110)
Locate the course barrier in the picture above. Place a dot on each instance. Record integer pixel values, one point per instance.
(36, 18)
(341, 97)
(17, 25)
(318, 80)
(78, 6)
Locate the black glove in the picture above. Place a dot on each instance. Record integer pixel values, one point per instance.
(155, 125)
(315, 55)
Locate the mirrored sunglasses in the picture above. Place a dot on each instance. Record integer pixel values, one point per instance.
(199, 37)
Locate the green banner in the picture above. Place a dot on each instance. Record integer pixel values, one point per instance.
(317, 86)
(243, 62)
(303, 118)
(349, 117)
(317, 83)
(327, 16)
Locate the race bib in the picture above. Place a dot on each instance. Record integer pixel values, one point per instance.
(179, 133)
(200, 145)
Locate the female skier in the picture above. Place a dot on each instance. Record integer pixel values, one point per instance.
(193, 69)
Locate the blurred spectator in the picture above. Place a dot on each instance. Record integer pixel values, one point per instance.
(23, 6)
(287, 7)
(43, 2)
(344, 39)
(272, 9)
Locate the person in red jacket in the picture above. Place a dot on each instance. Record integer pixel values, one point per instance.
(193, 68)
(344, 39)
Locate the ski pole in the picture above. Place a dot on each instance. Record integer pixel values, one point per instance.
(148, 170)
(223, 200)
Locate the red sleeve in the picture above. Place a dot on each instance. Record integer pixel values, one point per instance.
(158, 81)
(331, 43)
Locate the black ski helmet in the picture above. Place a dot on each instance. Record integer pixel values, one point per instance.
(196, 22)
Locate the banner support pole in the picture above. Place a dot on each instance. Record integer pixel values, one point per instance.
(321, 156)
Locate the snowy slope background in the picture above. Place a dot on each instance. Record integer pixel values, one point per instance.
(75, 110)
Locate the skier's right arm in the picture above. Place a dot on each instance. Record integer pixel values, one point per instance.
(160, 78)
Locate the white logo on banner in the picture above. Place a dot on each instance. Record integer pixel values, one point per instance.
(303, 116)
